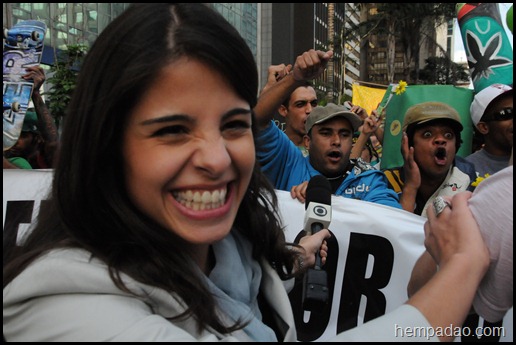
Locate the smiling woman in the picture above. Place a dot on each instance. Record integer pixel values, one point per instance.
(212, 145)
(160, 225)
(157, 202)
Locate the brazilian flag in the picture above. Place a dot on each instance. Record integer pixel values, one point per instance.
(397, 104)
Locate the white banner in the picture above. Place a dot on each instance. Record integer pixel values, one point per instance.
(26, 188)
(371, 254)
(370, 259)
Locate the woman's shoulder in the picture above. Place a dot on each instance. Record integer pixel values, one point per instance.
(59, 271)
(70, 286)
(68, 271)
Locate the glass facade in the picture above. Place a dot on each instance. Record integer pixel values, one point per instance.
(72, 23)
(68, 23)
(244, 17)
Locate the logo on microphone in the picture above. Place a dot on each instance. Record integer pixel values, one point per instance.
(320, 211)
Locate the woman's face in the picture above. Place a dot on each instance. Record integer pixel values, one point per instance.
(189, 152)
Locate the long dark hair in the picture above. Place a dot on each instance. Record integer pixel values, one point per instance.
(89, 206)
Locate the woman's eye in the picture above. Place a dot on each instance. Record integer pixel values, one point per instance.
(236, 125)
(171, 130)
(448, 135)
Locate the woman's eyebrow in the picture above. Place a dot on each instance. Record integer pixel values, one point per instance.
(167, 118)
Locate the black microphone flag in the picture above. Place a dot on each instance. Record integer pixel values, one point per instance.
(317, 217)
(317, 204)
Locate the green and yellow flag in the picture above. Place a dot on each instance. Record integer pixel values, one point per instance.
(397, 103)
(367, 97)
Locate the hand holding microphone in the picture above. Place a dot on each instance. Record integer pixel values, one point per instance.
(314, 245)
(317, 217)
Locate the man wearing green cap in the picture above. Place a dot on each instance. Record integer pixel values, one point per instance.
(38, 139)
(431, 168)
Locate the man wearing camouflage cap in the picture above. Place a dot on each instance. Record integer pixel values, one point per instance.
(329, 140)
(431, 139)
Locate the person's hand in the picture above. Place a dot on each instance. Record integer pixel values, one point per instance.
(378, 117)
(37, 74)
(410, 167)
(370, 125)
(454, 241)
(361, 112)
(276, 73)
(299, 192)
(311, 64)
(313, 244)
(454, 231)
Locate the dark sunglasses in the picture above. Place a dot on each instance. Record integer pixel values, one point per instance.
(502, 115)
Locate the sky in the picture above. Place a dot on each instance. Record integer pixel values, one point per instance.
(460, 53)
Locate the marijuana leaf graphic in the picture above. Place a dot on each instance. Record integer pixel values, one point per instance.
(482, 58)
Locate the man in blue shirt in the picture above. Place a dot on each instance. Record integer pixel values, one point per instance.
(329, 140)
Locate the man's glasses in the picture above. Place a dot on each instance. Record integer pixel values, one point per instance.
(502, 115)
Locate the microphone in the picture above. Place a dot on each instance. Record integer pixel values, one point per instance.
(317, 217)
(317, 204)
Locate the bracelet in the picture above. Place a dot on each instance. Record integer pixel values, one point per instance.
(300, 262)
(300, 259)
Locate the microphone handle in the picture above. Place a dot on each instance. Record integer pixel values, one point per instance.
(316, 227)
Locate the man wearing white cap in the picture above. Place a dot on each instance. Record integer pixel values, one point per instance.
(491, 113)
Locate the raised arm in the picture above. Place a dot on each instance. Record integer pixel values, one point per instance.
(46, 123)
(379, 132)
(308, 66)
(453, 239)
(366, 130)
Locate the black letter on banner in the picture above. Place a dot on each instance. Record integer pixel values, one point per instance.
(318, 321)
(16, 212)
(472, 322)
(355, 284)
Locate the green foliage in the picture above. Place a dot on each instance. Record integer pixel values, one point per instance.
(63, 79)
(443, 71)
(407, 26)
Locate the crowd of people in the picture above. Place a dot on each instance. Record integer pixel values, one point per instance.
(162, 221)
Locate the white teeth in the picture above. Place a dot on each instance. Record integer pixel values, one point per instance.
(215, 196)
(205, 200)
(189, 195)
(206, 197)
